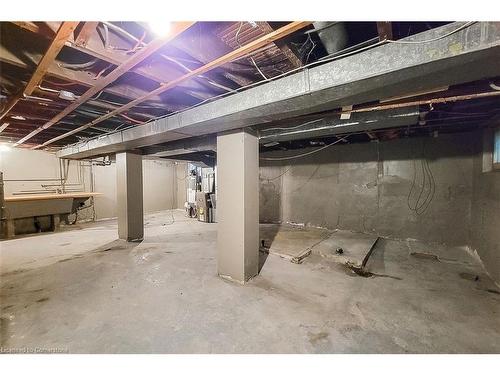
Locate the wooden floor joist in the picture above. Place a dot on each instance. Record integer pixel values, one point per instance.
(66, 75)
(62, 35)
(384, 30)
(93, 47)
(85, 32)
(244, 50)
(151, 48)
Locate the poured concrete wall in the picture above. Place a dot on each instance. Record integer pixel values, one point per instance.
(181, 174)
(21, 164)
(485, 215)
(365, 187)
(160, 184)
(271, 186)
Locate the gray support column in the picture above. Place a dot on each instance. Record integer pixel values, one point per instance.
(237, 205)
(129, 196)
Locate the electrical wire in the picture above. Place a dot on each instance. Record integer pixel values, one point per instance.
(106, 36)
(307, 153)
(97, 96)
(250, 58)
(312, 47)
(102, 72)
(433, 187)
(428, 186)
(293, 127)
(280, 175)
(467, 24)
(494, 86)
(132, 119)
(138, 43)
(61, 84)
(81, 66)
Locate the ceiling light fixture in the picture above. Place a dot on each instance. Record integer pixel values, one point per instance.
(159, 27)
(18, 118)
(67, 95)
(4, 147)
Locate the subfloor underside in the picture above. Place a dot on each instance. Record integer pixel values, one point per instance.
(83, 291)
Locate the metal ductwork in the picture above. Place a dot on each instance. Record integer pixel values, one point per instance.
(333, 125)
(333, 35)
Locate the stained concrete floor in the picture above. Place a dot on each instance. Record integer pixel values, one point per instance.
(85, 292)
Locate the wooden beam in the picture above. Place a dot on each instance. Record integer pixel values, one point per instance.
(84, 34)
(151, 48)
(78, 77)
(94, 47)
(64, 32)
(204, 45)
(242, 51)
(57, 44)
(30, 26)
(384, 30)
(4, 126)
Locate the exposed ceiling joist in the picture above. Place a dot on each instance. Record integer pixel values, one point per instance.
(94, 47)
(85, 33)
(152, 47)
(77, 77)
(202, 44)
(242, 51)
(4, 126)
(63, 34)
(384, 30)
(291, 56)
(34, 28)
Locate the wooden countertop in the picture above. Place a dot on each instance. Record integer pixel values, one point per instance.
(38, 197)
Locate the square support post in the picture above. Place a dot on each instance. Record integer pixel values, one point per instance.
(129, 196)
(237, 205)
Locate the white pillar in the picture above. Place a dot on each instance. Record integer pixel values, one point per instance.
(237, 205)
(129, 196)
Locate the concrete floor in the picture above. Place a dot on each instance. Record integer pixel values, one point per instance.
(85, 292)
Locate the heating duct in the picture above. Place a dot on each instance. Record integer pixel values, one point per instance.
(333, 35)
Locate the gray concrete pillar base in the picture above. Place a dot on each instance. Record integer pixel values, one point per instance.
(129, 196)
(237, 206)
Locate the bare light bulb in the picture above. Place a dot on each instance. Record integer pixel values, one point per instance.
(4, 147)
(160, 28)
